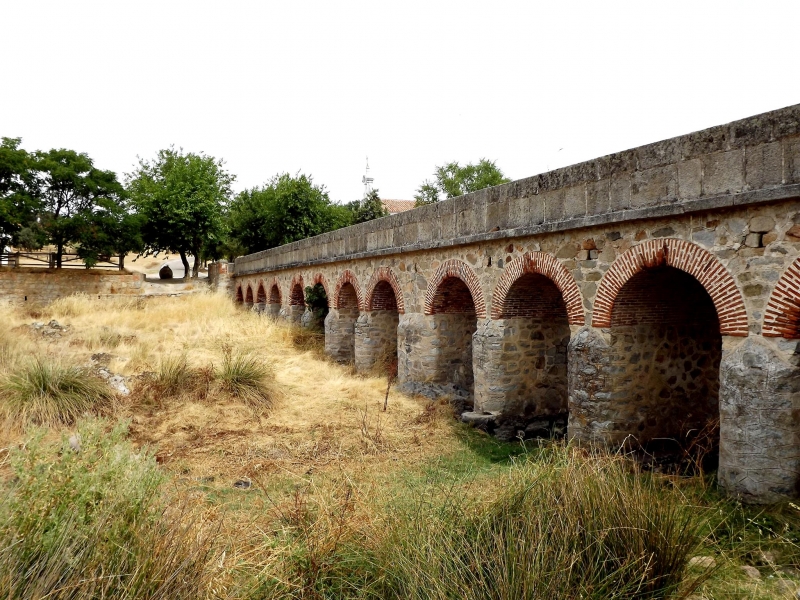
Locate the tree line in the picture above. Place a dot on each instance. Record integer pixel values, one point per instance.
(179, 203)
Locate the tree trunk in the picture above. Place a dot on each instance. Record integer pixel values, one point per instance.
(196, 268)
(185, 264)
(59, 252)
(121, 262)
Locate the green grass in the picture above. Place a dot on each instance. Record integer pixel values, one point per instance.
(97, 523)
(43, 392)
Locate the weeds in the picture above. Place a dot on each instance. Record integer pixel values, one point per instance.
(43, 392)
(94, 523)
(247, 378)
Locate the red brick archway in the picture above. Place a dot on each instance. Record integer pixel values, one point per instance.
(275, 294)
(239, 296)
(387, 275)
(455, 269)
(542, 264)
(687, 257)
(297, 295)
(319, 278)
(249, 297)
(782, 315)
(261, 294)
(347, 277)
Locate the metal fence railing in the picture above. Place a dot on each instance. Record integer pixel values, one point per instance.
(49, 260)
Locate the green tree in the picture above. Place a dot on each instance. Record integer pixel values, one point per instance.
(182, 199)
(283, 211)
(67, 185)
(453, 180)
(367, 209)
(108, 229)
(19, 204)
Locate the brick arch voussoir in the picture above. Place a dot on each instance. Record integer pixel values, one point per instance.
(275, 283)
(239, 293)
(549, 266)
(782, 315)
(459, 270)
(249, 294)
(320, 278)
(261, 291)
(347, 277)
(689, 258)
(387, 275)
(296, 280)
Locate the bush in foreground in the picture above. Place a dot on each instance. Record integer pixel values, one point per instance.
(90, 520)
(43, 392)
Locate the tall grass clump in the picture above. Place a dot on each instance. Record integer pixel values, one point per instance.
(247, 378)
(88, 520)
(174, 375)
(44, 392)
(568, 525)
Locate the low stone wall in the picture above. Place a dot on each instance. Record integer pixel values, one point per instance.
(42, 286)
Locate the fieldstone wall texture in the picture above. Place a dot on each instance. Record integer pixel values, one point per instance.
(41, 286)
(646, 293)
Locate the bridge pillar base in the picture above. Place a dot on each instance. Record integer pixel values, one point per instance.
(589, 364)
(273, 310)
(760, 419)
(340, 334)
(375, 339)
(293, 313)
(434, 355)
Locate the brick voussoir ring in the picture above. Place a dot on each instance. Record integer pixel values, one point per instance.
(687, 257)
(261, 293)
(275, 284)
(459, 270)
(387, 275)
(549, 266)
(782, 315)
(320, 278)
(347, 277)
(296, 280)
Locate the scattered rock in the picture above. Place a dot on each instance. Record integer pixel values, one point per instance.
(242, 484)
(54, 325)
(102, 358)
(788, 587)
(118, 383)
(165, 272)
(751, 572)
(75, 442)
(478, 419)
(702, 562)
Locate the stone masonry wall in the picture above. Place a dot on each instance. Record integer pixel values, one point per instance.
(42, 286)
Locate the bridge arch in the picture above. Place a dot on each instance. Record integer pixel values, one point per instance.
(249, 297)
(782, 315)
(687, 257)
(239, 296)
(348, 284)
(275, 294)
(546, 265)
(440, 298)
(297, 295)
(378, 295)
(261, 294)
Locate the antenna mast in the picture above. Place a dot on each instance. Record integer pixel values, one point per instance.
(367, 181)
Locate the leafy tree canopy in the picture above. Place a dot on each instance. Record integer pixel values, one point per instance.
(454, 180)
(367, 209)
(18, 202)
(182, 199)
(67, 186)
(285, 210)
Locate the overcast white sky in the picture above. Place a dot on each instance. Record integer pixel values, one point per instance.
(318, 86)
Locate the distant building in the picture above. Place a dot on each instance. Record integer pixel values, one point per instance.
(397, 206)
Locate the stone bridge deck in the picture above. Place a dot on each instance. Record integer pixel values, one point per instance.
(644, 296)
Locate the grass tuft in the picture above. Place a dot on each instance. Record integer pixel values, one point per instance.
(43, 392)
(247, 378)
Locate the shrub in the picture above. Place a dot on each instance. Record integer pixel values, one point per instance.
(42, 392)
(247, 378)
(567, 526)
(90, 522)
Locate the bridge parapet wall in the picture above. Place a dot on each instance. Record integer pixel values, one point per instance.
(742, 163)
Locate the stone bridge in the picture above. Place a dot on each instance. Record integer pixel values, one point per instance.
(645, 296)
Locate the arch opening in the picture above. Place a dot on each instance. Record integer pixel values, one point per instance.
(261, 295)
(666, 348)
(249, 297)
(239, 296)
(297, 303)
(454, 324)
(532, 373)
(376, 331)
(316, 301)
(273, 302)
(340, 325)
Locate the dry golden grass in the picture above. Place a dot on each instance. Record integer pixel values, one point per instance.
(325, 419)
